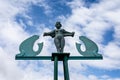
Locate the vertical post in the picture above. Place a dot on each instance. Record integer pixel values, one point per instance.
(61, 57)
(56, 68)
(65, 66)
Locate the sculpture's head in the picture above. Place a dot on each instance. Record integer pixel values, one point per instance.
(58, 25)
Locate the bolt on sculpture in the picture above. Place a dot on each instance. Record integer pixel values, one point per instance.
(27, 52)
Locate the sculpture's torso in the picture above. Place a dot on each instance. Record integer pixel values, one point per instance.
(59, 33)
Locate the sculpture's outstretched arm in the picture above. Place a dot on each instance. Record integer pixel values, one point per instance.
(66, 33)
(52, 33)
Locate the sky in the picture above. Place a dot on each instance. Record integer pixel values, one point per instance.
(98, 20)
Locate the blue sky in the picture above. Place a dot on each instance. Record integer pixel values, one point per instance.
(98, 20)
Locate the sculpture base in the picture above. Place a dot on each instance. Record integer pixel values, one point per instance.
(60, 56)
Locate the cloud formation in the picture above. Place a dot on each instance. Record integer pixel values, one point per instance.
(93, 22)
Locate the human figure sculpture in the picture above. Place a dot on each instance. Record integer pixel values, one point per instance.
(58, 34)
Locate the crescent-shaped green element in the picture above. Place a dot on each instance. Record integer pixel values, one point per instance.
(91, 47)
(26, 47)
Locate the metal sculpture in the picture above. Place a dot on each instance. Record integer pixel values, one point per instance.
(91, 47)
(26, 47)
(58, 34)
(27, 52)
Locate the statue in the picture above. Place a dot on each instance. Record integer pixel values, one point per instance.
(28, 53)
(58, 34)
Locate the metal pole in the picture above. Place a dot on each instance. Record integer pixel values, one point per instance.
(56, 68)
(65, 66)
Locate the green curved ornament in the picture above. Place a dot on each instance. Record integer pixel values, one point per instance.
(91, 47)
(26, 47)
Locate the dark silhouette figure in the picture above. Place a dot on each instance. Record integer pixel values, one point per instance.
(58, 34)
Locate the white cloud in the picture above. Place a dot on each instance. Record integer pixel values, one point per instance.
(112, 51)
(8, 68)
(93, 25)
(12, 34)
(75, 4)
(94, 22)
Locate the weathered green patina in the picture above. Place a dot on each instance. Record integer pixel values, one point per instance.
(90, 46)
(27, 52)
(26, 47)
